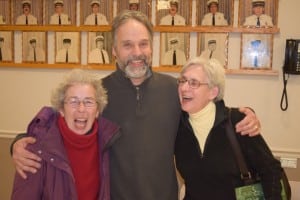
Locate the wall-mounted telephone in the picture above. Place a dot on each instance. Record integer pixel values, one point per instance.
(292, 57)
(291, 66)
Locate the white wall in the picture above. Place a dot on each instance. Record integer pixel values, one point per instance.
(24, 90)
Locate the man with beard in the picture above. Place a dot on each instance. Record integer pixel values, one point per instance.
(146, 106)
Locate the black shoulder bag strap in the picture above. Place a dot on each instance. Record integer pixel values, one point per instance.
(231, 134)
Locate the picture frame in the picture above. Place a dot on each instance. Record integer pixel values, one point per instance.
(256, 52)
(245, 10)
(95, 55)
(145, 6)
(68, 13)
(105, 8)
(170, 42)
(184, 10)
(214, 45)
(36, 13)
(67, 47)
(225, 7)
(5, 10)
(34, 47)
(7, 47)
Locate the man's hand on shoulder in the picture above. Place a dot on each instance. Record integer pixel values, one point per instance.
(250, 124)
(24, 160)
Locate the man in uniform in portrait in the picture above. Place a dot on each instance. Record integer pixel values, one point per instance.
(134, 5)
(26, 18)
(59, 17)
(5, 51)
(208, 53)
(35, 53)
(256, 55)
(215, 49)
(173, 18)
(258, 18)
(174, 56)
(99, 54)
(213, 17)
(67, 54)
(95, 18)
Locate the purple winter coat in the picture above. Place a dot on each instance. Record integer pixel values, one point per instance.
(54, 180)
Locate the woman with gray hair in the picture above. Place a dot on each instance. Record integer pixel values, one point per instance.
(73, 140)
(204, 156)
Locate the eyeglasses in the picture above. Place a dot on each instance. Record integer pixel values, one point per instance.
(74, 102)
(194, 84)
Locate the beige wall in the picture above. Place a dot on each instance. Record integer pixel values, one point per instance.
(24, 91)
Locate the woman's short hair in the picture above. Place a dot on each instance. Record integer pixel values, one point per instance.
(214, 71)
(79, 76)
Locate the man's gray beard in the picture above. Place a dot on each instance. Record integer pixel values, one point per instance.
(132, 72)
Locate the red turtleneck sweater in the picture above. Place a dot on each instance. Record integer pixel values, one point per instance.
(83, 154)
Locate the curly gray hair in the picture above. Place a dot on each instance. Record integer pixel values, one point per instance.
(79, 76)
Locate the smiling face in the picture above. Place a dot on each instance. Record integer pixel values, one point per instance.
(132, 48)
(80, 118)
(195, 99)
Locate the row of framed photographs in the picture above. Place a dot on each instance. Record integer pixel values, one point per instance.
(44, 11)
(256, 49)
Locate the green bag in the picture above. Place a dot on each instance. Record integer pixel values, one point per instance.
(250, 192)
(255, 192)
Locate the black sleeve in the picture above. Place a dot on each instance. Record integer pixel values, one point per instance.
(18, 137)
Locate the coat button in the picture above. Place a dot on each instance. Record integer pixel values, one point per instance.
(39, 151)
(52, 159)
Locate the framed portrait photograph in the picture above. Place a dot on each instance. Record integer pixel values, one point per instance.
(96, 12)
(215, 12)
(60, 12)
(256, 51)
(34, 47)
(145, 6)
(258, 13)
(27, 12)
(6, 46)
(99, 48)
(214, 45)
(174, 49)
(67, 47)
(5, 15)
(173, 12)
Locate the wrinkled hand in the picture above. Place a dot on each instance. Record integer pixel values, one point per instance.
(250, 124)
(24, 160)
